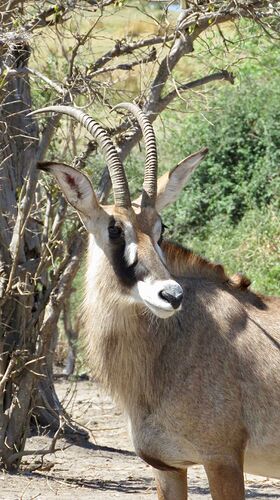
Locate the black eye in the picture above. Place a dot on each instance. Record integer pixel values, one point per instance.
(114, 232)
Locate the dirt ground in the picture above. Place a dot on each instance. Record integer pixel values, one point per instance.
(106, 467)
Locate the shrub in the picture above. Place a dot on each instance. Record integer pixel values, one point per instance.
(241, 171)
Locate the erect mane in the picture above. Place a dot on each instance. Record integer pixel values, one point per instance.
(183, 262)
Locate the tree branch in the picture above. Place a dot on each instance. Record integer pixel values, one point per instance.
(127, 143)
(100, 4)
(81, 40)
(128, 66)
(61, 291)
(122, 48)
(221, 75)
(7, 10)
(21, 72)
(42, 19)
(52, 448)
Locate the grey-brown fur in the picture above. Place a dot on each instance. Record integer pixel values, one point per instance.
(209, 375)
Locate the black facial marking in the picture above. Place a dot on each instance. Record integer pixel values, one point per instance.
(115, 230)
(128, 275)
(163, 227)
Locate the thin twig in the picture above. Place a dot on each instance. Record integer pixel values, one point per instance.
(7, 374)
(41, 452)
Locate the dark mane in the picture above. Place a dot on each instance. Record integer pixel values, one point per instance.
(184, 262)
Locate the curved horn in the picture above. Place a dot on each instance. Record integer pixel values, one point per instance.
(150, 176)
(117, 174)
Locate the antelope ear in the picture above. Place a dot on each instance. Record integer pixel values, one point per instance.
(171, 183)
(75, 185)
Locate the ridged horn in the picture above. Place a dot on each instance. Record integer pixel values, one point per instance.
(150, 176)
(117, 173)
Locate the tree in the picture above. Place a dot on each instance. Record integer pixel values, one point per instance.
(40, 250)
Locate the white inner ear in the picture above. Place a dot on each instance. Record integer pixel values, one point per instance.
(79, 191)
(76, 187)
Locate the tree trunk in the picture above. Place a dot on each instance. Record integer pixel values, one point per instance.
(20, 253)
(26, 328)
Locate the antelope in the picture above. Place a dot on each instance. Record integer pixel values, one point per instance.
(191, 355)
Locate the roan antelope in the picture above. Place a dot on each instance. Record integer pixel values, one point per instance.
(192, 355)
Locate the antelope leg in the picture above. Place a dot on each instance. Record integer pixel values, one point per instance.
(226, 481)
(171, 485)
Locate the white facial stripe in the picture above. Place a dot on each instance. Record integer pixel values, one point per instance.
(130, 252)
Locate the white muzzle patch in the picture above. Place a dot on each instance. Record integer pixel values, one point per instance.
(162, 297)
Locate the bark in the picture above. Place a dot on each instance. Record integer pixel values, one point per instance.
(27, 330)
(19, 251)
(72, 333)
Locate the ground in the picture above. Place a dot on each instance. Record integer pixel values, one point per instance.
(106, 467)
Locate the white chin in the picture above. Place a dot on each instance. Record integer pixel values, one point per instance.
(159, 312)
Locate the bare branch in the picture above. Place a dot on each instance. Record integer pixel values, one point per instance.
(46, 137)
(122, 48)
(6, 375)
(52, 448)
(62, 289)
(80, 160)
(100, 4)
(12, 73)
(221, 75)
(81, 40)
(128, 66)
(8, 8)
(44, 18)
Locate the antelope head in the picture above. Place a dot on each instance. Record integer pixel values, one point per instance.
(126, 237)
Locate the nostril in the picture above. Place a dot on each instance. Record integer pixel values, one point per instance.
(175, 298)
(164, 295)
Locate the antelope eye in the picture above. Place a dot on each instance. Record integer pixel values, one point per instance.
(114, 232)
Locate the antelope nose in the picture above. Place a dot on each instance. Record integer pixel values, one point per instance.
(173, 295)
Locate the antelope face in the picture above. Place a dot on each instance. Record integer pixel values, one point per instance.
(126, 240)
(131, 243)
